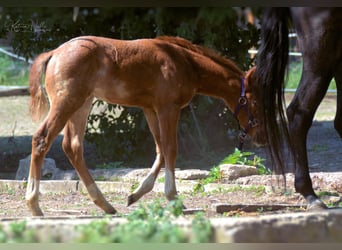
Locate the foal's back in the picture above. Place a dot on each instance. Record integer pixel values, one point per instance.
(124, 72)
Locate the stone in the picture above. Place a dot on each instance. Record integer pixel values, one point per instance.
(319, 227)
(191, 174)
(48, 171)
(232, 171)
(65, 175)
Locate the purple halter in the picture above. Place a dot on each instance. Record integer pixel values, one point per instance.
(243, 105)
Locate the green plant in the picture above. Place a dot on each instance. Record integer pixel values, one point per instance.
(319, 148)
(199, 187)
(149, 223)
(161, 179)
(117, 133)
(215, 175)
(238, 157)
(18, 232)
(202, 229)
(134, 186)
(100, 178)
(13, 72)
(295, 73)
(18, 227)
(244, 158)
(320, 194)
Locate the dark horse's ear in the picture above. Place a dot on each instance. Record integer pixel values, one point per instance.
(250, 77)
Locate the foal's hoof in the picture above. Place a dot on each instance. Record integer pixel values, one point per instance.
(131, 199)
(316, 205)
(105, 206)
(37, 212)
(111, 210)
(35, 209)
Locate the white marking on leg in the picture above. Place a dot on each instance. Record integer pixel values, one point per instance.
(148, 183)
(32, 189)
(94, 192)
(170, 185)
(32, 194)
(97, 197)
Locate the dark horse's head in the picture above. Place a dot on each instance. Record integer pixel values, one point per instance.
(248, 112)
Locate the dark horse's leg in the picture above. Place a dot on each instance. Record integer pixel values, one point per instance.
(338, 117)
(318, 44)
(300, 114)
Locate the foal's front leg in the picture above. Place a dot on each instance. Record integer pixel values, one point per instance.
(147, 184)
(168, 117)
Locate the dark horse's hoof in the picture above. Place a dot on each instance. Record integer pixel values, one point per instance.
(316, 205)
(130, 200)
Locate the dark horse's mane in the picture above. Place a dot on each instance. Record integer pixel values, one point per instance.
(271, 68)
(207, 52)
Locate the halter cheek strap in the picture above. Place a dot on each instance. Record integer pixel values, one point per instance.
(243, 104)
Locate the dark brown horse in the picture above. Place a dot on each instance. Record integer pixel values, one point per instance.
(158, 75)
(319, 33)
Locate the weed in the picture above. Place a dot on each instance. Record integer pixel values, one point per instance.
(244, 158)
(199, 187)
(215, 175)
(134, 186)
(13, 72)
(320, 194)
(150, 223)
(202, 229)
(100, 178)
(319, 148)
(258, 190)
(18, 227)
(10, 191)
(161, 179)
(260, 210)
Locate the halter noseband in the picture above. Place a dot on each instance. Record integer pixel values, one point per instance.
(243, 104)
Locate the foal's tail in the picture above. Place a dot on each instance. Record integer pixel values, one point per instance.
(39, 103)
(271, 67)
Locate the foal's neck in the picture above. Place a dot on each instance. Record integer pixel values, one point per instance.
(225, 86)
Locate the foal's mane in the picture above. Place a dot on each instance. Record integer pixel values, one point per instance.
(213, 55)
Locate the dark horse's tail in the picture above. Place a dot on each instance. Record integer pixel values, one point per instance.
(271, 67)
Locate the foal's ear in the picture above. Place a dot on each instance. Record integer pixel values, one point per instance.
(250, 77)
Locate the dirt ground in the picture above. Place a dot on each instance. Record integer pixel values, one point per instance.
(16, 129)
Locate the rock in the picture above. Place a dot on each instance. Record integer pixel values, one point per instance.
(64, 175)
(48, 171)
(132, 174)
(191, 174)
(324, 226)
(232, 172)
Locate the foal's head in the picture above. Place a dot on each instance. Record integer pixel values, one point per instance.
(247, 110)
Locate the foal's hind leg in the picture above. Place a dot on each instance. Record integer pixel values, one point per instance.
(147, 184)
(73, 147)
(41, 143)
